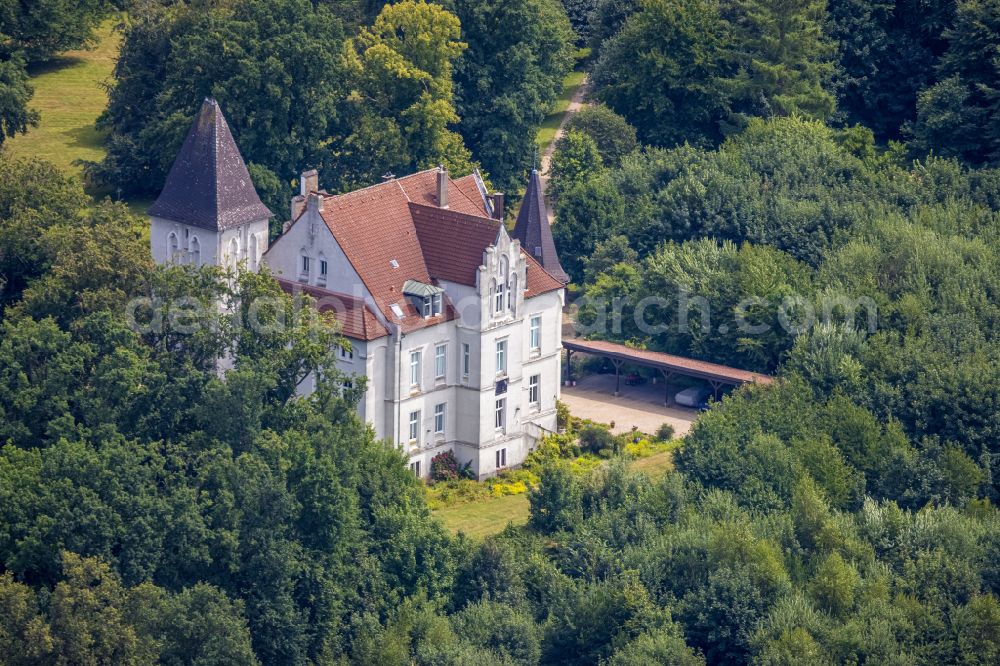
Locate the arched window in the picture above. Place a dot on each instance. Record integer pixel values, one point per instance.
(172, 247)
(234, 252)
(502, 285)
(195, 246)
(253, 252)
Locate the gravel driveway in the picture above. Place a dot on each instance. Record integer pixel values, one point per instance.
(641, 406)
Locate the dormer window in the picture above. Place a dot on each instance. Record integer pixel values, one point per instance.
(432, 305)
(426, 298)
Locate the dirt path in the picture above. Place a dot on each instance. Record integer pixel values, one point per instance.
(575, 104)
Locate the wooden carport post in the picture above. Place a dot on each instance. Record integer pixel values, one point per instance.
(668, 376)
(618, 376)
(569, 367)
(716, 385)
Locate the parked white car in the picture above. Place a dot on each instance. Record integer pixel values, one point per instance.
(695, 397)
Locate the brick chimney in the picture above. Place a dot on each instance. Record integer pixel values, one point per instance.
(442, 187)
(308, 182)
(315, 202)
(498, 201)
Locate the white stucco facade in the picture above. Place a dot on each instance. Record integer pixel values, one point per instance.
(175, 242)
(456, 355)
(483, 385)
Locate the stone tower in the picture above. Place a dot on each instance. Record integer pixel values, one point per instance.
(208, 212)
(534, 231)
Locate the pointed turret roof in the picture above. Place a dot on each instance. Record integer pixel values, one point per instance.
(534, 231)
(209, 185)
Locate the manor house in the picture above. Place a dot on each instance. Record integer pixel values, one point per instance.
(454, 321)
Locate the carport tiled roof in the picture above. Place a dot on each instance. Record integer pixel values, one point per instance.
(208, 185)
(680, 364)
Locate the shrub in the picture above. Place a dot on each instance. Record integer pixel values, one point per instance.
(563, 417)
(444, 467)
(556, 503)
(665, 432)
(593, 438)
(502, 489)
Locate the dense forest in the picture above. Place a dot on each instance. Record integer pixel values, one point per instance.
(760, 159)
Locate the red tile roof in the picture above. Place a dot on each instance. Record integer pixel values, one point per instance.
(471, 190)
(539, 279)
(453, 243)
(463, 195)
(374, 228)
(394, 231)
(356, 319)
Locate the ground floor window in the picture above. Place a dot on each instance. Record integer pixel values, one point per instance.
(501, 458)
(415, 468)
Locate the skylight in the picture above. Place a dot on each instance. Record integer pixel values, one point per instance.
(394, 263)
(396, 310)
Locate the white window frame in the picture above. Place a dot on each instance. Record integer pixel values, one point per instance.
(535, 390)
(500, 297)
(416, 367)
(500, 415)
(440, 361)
(415, 468)
(439, 415)
(535, 333)
(466, 359)
(501, 458)
(501, 357)
(414, 432)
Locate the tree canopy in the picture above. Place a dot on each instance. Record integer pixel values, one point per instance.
(507, 79)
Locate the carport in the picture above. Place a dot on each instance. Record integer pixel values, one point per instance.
(668, 365)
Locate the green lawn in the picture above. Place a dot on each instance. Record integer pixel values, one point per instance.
(655, 465)
(69, 96)
(547, 132)
(485, 517)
